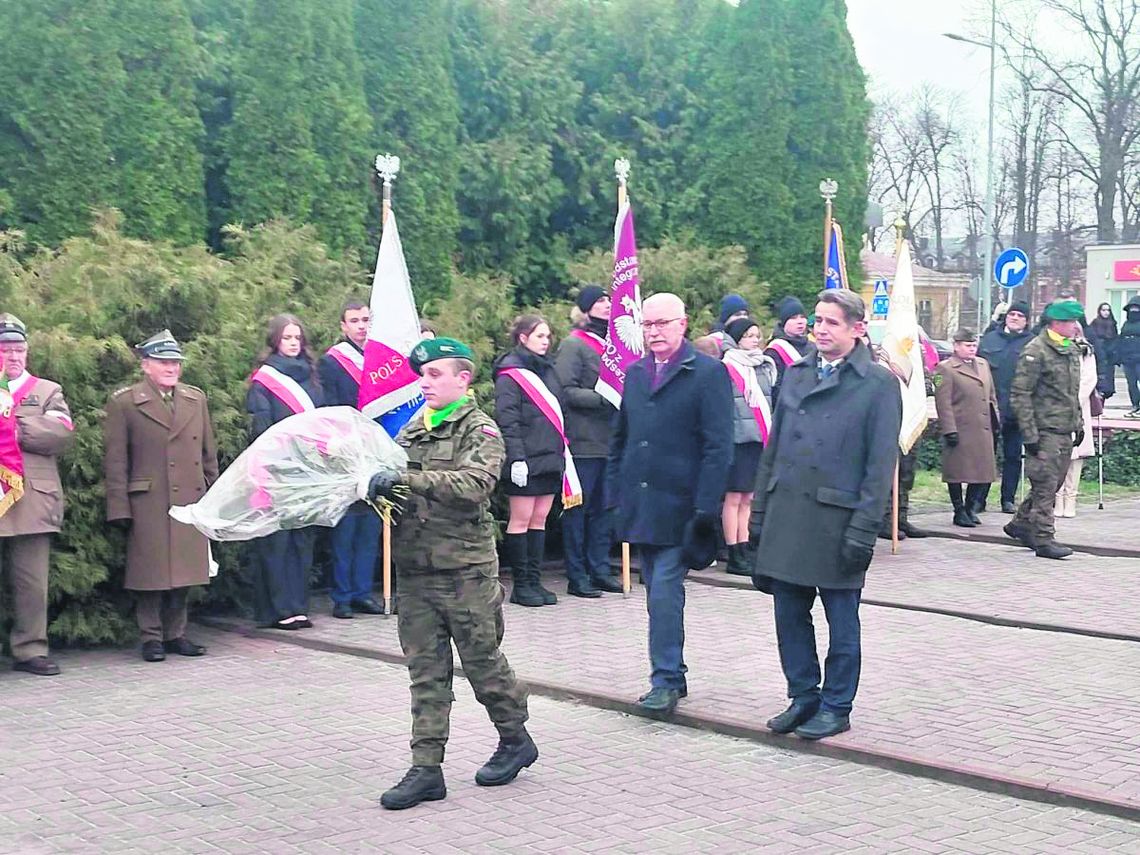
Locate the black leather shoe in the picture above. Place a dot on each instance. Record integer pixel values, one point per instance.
(1053, 550)
(291, 625)
(368, 607)
(41, 666)
(1019, 533)
(516, 751)
(608, 584)
(910, 530)
(183, 647)
(420, 784)
(660, 701)
(795, 715)
(343, 611)
(1008, 508)
(152, 651)
(962, 518)
(588, 593)
(823, 724)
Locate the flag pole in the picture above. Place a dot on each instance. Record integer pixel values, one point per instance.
(900, 226)
(621, 171)
(387, 167)
(828, 188)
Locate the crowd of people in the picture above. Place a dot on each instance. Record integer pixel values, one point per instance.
(778, 447)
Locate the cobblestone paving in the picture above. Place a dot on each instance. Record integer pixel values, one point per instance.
(267, 747)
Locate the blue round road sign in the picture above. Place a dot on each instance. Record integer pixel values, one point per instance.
(1011, 268)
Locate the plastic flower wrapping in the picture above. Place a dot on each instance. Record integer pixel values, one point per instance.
(305, 470)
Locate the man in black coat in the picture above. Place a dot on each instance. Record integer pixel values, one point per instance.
(356, 538)
(668, 467)
(823, 484)
(1001, 348)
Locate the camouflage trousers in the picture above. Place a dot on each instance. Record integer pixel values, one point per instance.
(1045, 472)
(464, 606)
(908, 463)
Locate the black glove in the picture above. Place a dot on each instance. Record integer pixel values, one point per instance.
(381, 485)
(1031, 449)
(854, 557)
(951, 440)
(1079, 437)
(704, 525)
(123, 525)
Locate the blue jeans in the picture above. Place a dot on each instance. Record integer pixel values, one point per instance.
(586, 528)
(1011, 462)
(664, 573)
(795, 635)
(355, 544)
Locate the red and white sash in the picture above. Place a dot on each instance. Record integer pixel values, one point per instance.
(548, 405)
(287, 390)
(21, 387)
(350, 359)
(593, 340)
(785, 350)
(763, 413)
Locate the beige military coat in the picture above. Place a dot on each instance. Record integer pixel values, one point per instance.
(967, 405)
(44, 431)
(154, 459)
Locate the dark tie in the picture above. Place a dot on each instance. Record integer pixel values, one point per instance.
(826, 371)
(168, 400)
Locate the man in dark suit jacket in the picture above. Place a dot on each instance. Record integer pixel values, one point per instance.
(823, 485)
(356, 538)
(668, 466)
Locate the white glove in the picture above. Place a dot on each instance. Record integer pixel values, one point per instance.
(519, 473)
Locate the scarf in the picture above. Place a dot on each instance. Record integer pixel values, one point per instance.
(598, 327)
(1059, 339)
(748, 361)
(434, 418)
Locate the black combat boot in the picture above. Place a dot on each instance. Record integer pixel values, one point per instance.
(535, 550)
(1052, 550)
(516, 751)
(907, 528)
(738, 560)
(420, 784)
(523, 593)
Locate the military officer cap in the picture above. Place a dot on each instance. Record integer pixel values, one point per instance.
(431, 349)
(964, 334)
(12, 328)
(1064, 310)
(160, 346)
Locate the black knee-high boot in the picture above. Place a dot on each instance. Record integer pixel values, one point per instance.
(523, 593)
(535, 550)
(975, 497)
(961, 516)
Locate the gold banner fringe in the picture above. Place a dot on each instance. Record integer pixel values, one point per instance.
(15, 489)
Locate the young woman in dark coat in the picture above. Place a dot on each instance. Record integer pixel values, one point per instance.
(1101, 333)
(281, 561)
(535, 460)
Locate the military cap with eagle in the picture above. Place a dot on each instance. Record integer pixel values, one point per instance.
(431, 349)
(160, 346)
(12, 328)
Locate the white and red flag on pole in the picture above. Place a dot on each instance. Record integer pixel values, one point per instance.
(389, 388)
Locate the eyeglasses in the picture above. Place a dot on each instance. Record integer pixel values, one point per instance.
(658, 325)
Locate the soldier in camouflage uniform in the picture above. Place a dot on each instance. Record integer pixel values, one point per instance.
(444, 549)
(1045, 398)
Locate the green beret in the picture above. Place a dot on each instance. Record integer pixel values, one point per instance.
(431, 349)
(1064, 310)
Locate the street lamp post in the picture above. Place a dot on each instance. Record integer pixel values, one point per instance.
(987, 228)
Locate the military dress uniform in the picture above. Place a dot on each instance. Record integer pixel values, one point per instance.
(1045, 397)
(44, 431)
(159, 451)
(449, 590)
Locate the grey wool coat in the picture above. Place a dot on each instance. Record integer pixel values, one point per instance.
(827, 471)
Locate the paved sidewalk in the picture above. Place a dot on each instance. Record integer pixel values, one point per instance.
(1058, 711)
(266, 747)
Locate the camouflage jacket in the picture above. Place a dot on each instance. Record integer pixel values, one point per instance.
(446, 523)
(1045, 395)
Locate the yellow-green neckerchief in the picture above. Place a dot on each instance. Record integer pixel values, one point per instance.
(1059, 339)
(434, 418)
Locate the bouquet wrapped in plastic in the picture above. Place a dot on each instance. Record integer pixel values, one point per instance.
(305, 470)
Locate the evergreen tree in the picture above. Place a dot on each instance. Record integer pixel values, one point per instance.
(415, 115)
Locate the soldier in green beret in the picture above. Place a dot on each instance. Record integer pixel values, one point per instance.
(1045, 397)
(448, 573)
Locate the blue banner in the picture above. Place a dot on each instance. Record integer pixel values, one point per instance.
(835, 276)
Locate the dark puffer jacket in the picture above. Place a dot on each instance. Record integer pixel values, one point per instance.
(527, 433)
(1128, 342)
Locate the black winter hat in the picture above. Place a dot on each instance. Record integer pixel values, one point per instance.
(589, 295)
(1019, 306)
(788, 308)
(736, 329)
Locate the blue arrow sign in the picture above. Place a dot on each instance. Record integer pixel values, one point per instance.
(1011, 268)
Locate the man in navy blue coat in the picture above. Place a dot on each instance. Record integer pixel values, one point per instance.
(356, 538)
(668, 466)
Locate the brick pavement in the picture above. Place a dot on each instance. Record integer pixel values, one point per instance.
(264, 746)
(1057, 709)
